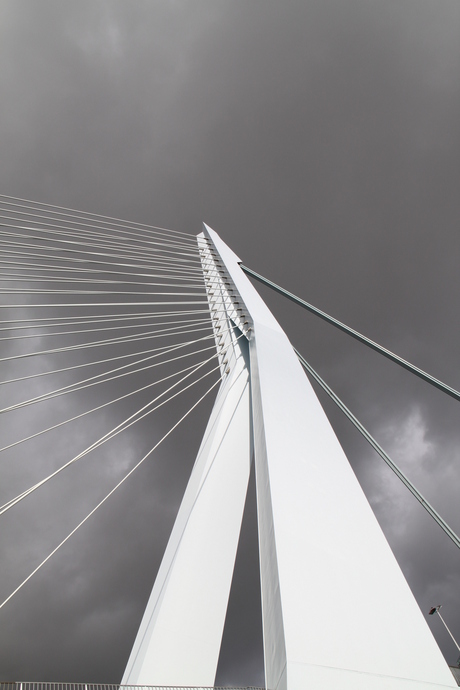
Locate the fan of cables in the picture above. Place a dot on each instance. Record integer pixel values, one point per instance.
(103, 323)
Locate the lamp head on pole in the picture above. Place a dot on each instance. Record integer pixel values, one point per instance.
(434, 609)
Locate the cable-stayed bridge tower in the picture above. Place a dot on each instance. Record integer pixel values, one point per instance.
(330, 584)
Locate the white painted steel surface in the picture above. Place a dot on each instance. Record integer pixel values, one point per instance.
(178, 642)
(337, 611)
(179, 639)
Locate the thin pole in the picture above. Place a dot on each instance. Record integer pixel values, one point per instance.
(445, 625)
(354, 334)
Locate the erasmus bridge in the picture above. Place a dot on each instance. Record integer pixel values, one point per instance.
(133, 308)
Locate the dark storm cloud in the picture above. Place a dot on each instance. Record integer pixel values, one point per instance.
(321, 141)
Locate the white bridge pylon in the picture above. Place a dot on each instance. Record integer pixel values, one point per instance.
(337, 612)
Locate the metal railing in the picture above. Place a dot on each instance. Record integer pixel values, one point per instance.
(31, 685)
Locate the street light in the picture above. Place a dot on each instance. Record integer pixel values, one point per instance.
(435, 609)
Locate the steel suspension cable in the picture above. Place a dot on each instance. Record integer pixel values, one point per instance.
(99, 304)
(354, 334)
(51, 291)
(94, 232)
(106, 219)
(126, 373)
(176, 272)
(85, 220)
(104, 361)
(42, 234)
(109, 494)
(36, 278)
(121, 340)
(370, 439)
(125, 424)
(177, 258)
(97, 379)
(131, 326)
(18, 247)
(110, 402)
(100, 318)
(183, 266)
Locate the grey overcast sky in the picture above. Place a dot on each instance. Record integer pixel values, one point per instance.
(321, 140)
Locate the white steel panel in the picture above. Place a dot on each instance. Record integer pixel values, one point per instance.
(330, 584)
(179, 639)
